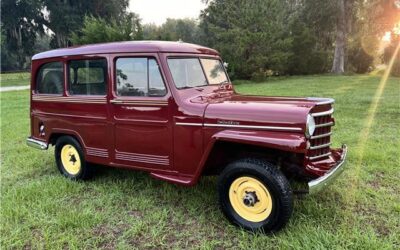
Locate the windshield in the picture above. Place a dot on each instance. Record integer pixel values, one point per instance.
(188, 72)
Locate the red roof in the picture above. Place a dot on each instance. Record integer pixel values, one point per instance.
(129, 46)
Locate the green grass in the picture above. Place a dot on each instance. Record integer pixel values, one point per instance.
(127, 209)
(15, 79)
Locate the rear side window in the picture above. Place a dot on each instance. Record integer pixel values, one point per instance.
(139, 77)
(87, 77)
(50, 78)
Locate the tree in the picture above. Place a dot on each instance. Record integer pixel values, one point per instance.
(340, 44)
(98, 30)
(307, 56)
(389, 53)
(253, 36)
(173, 30)
(67, 16)
(21, 22)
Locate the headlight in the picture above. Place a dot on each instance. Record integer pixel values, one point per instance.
(310, 126)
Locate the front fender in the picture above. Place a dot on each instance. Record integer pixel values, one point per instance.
(285, 141)
(290, 142)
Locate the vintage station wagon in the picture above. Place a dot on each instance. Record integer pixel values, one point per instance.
(169, 108)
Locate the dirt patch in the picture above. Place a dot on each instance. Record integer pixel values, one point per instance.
(109, 234)
(136, 214)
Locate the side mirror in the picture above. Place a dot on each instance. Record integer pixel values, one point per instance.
(226, 65)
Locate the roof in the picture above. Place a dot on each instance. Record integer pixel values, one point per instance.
(129, 46)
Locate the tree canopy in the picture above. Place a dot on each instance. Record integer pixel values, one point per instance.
(258, 38)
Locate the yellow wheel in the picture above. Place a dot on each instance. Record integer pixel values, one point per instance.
(255, 195)
(250, 199)
(70, 159)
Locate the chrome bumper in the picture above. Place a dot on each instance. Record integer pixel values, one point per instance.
(320, 183)
(36, 144)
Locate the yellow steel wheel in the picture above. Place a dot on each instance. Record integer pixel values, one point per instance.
(250, 199)
(70, 159)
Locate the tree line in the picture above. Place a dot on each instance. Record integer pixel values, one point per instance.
(258, 38)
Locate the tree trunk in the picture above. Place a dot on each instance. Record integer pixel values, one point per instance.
(340, 44)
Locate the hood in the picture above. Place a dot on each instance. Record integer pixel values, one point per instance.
(275, 113)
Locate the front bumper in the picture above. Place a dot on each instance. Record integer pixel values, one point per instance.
(320, 183)
(36, 143)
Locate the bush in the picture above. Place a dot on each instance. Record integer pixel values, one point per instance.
(262, 75)
(358, 60)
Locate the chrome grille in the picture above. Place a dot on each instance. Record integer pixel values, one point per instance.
(321, 140)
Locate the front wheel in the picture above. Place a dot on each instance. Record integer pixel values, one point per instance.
(255, 195)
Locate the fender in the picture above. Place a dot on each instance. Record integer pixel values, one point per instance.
(289, 142)
(66, 132)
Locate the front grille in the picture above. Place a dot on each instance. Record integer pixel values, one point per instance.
(321, 140)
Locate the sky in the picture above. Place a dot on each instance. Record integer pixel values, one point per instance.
(157, 11)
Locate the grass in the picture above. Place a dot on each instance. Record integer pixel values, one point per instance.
(15, 79)
(128, 209)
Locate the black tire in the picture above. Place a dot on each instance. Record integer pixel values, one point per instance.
(84, 172)
(274, 181)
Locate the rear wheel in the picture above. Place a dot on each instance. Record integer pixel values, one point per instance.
(255, 195)
(70, 159)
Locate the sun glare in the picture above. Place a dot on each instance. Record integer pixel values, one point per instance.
(396, 29)
(387, 37)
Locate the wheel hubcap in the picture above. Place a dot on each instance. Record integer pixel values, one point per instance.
(250, 199)
(70, 159)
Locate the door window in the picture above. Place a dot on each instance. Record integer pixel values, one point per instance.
(139, 77)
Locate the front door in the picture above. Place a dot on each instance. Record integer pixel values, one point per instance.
(141, 117)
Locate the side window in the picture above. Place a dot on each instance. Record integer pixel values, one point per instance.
(87, 77)
(50, 79)
(139, 77)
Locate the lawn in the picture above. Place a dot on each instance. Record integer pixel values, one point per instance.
(126, 209)
(15, 79)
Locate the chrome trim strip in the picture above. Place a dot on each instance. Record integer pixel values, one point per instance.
(327, 101)
(144, 155)
(319, 156)
(329, 112)
(99, 149)
(318, 184)
(65, 115)
(125, 158)
(139, 102)
(252, 127)
(321, 146)
(321, 136)
(98, 155)
(142, 158)
(36, 144)
(115, 101)
(324, 125)
(70, 100)
(188, 124)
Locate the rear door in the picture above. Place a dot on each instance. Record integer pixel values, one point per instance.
(140, 110)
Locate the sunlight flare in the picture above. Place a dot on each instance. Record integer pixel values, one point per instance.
(364, 136)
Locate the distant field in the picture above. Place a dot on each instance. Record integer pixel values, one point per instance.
(14, 79)
(121, 209)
